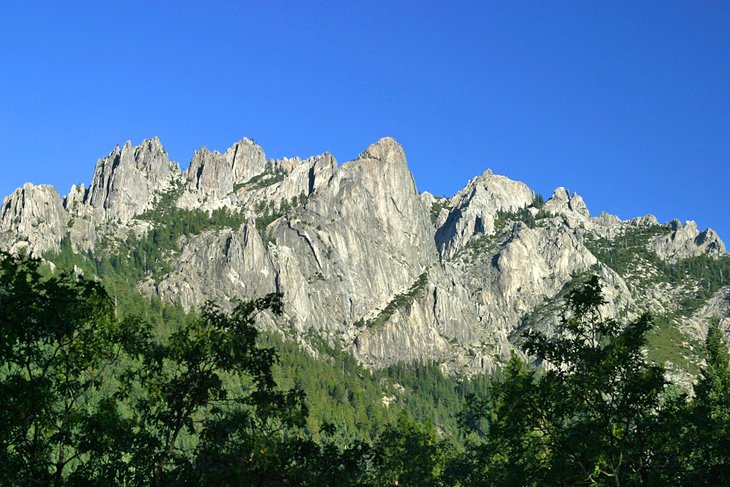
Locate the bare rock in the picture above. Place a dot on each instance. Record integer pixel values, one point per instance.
(220, 266)
(562, 203)
(32, 220)
(686, 241)
(127, 182)
(474, 209)
(216, 175)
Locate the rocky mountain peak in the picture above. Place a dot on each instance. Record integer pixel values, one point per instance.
(125, 182)
(710, 241)
(150, 157)
(474, 209)
(32, 219)
(380, 175)
(644, 221)
(354, 249)
(562, 203)
(387, 150)
(246, 159)
(210, 172)
(215, 174)
(687, 241)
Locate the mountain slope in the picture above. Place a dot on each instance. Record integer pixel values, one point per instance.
(367, 263)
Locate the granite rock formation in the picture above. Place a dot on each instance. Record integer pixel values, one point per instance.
(364, 260)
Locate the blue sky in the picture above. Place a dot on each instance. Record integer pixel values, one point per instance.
(626, 103)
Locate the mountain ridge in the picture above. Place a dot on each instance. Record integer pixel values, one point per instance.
(364, 260)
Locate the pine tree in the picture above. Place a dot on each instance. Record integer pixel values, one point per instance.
(710, 417)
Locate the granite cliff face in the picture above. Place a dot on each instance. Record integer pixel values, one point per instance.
(32, 220)
(367, 263)
(126, 182)
(686, 241)
(474, 209)
(215, 174)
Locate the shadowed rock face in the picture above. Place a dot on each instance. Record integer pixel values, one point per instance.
(354, 250)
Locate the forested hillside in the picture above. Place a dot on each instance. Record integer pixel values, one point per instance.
(97, 392)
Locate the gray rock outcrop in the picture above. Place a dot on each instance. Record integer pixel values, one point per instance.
(32, 220)
(562, 203)
(687, 241)
(216, 175)
(220, 266)
(127, 181)
(365, 261)
(474, 209)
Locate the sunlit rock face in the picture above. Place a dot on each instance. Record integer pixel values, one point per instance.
(474, 209)
(363, 259)
(216, 174)
(687, 241)
(32, 220)
(126, 182)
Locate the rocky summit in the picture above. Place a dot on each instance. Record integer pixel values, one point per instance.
(369, 264)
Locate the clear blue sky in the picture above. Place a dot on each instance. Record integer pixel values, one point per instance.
(627, 103)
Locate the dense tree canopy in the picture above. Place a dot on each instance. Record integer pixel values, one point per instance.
(88, 397)
(588, 416)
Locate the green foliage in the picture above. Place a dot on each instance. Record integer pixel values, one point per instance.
(506, 444)
(198, 403)
(409, 453)
(269, 213)
(348, 396)
(262, 180)
(599, 413)
(95, 394)
(692, 444)
(150, 252)
(87, 398)
(542, 316)
(586, 419)
(629, 250)
(157, 395)
(341, 392)
(438, 205)
(124, 263)
(136, 258)
(710, 274)
(401, 301)
(208, 381)
(57, 336)
(710, 415)
(267, 218)
(430, 396)
(603, 392)
(538, 201)
(666, 343)
(526, 214)
(119, 274)
(531, 215)
(629, 255)
(695, 280)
